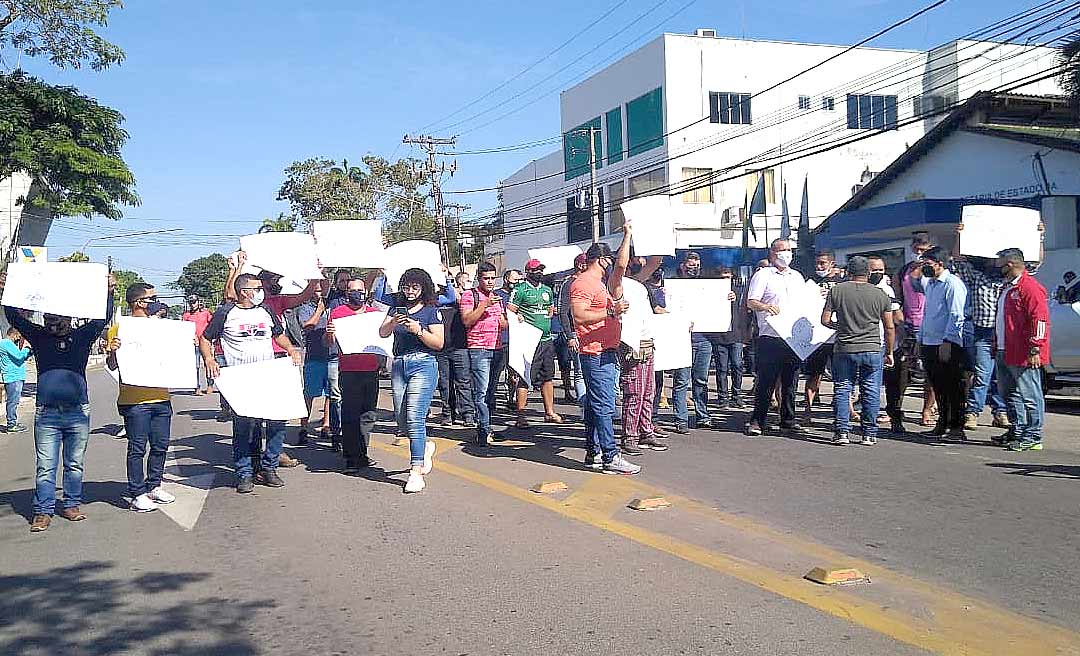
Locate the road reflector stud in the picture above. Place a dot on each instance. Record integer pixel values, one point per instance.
(401, 441)
(549, 487)
(651, 503)
(843, 576)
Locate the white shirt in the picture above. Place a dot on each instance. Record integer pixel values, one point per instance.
(894, 305)
(999, 327)
(772, 286)
(635, 322)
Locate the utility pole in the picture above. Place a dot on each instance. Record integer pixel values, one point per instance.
(594, 200)
(436, 171)
(457, 209)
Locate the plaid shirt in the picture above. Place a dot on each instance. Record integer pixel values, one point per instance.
(983, 292)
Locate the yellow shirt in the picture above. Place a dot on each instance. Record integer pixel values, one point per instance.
(132, 395)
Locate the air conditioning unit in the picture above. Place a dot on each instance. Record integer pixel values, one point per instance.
(732, 218)
(705, 32)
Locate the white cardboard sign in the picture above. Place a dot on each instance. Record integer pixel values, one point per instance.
(359, 333)
(271, 389)
(671, 342)
(989, 229)
(524, 338)
(799, 321)
(415, 253)
(703, 301)
(556, 258)
(637, 320)
(289, 254)
(156, 353)
(350, 244)
(653, 224)
(70, 289)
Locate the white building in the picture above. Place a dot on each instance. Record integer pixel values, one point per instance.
(28, 225)
(697, 114)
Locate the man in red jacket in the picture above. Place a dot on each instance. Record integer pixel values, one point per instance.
(1023, 347)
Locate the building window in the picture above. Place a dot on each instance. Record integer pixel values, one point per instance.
(828, 103)
(579, 218)
(729, 108)
(576, 149)
(694, 178)
(614, 135)
(770, 187)
(641, 185)
(615, 195)
(645, 122)
(929, 104)
(868, 112)
(804, 103)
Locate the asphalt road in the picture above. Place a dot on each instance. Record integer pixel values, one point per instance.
(970, 549)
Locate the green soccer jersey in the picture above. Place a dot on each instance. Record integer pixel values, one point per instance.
(533, 304)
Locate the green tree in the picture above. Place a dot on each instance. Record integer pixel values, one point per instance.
(68, 143)
(124, 279)
(62, 30)
(77, 256)
(283, 223)
(1069, 58)
(204, 277)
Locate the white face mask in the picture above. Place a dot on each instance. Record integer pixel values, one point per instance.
(783, 258)
(257, 296)
(822, 273)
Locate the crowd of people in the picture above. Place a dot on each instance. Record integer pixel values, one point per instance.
(977, 329)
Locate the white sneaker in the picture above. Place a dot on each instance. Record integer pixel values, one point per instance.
(415, 482)
(429, 453)
(142, 503)
(158, 495)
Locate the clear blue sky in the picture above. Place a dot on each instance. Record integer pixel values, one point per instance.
(221, 95)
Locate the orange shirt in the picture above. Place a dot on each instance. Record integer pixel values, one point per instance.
(594, 338)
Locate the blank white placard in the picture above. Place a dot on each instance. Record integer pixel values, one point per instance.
(70, 289)
(289, 254)
(350, 244)
(524, 339)
(989, 229)
(359, 333)
(652, 223)
(156, 353)
(271, 389)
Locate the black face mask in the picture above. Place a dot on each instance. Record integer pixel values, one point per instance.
(876, 277)
(154, 307)
(356, 297)
(535, 277)
(928, 271)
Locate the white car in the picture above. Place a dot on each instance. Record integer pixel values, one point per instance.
(1063, 290)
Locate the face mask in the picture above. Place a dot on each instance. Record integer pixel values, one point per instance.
(783, 258)
(154, 307)
(928, 271)
(693, 272)
(356, 297)
(257, 296)
(535, 277)
(821, 273)
(876, 278)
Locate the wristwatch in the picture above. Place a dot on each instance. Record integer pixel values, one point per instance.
(1034, 351)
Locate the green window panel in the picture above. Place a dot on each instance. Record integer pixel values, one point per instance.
(645, 122)
(614, 135)
(576, 149)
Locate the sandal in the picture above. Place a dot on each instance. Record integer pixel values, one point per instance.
(553, 419)
(73, 514)
(522, 422)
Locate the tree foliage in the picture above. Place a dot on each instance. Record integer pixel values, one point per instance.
(283, 223)
(124, 279)
(62, 30)
(1069, 58)
(204, 277)
(68, 143)
(77, 256)
(320, 189)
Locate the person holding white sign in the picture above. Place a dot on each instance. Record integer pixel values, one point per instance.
(359, 375)
(247, 331)
(771, 289)
(62, 419)
(147, 413)
(416, 323)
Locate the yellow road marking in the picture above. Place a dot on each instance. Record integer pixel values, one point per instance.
(959, 625)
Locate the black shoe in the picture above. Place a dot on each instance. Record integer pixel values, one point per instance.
(365, 461)
(938, 430)
(793, 426)
(301, 437)
(469, 423)
(483, 441)
(269, 478)
(680, 430)
(897, 428)
(245, 485)
(351, 469)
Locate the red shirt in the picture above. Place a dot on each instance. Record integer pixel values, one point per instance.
(200, 318)
(594, 338)
(355, 361)
(277, 306)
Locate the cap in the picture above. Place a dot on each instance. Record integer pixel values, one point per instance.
(533, 265)
(580, 259)
(858, 266)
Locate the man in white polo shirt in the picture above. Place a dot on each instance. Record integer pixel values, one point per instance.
(771, 289)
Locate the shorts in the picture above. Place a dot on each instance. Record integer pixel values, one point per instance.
(543, 364)
(316, 378)
(815, 364)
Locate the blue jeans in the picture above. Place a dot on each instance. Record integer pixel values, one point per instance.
(983, 380)
(680, 383)
(146, 423)
(200, 369)
(414, 377)
(699, 377)
(601, 378)
(480, 367)
(864, 369)
(245, 433)
(498, 367)
(13, 393)
(729, 367)
(56, 426)
(333, 378)
(1022, 389)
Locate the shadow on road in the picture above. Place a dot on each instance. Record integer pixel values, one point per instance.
(88, 609)
(1040, 470)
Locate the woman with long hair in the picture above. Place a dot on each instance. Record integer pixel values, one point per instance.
(417, 327)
